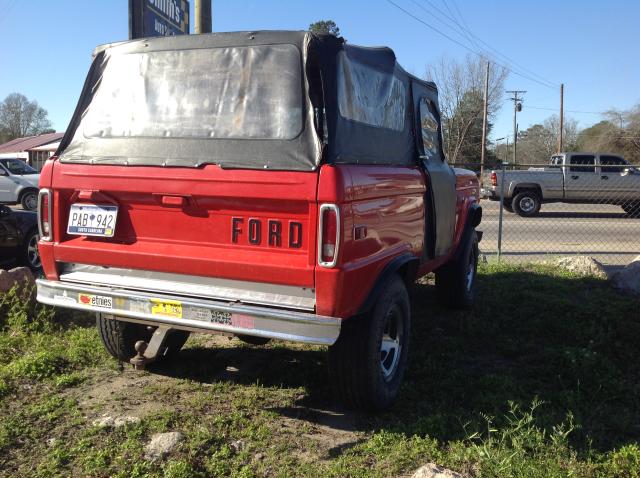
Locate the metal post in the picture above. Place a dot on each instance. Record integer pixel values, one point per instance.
(504, 167)
(561, 131)
(484, 121)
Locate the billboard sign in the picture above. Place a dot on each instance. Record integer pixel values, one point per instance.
(152, 18)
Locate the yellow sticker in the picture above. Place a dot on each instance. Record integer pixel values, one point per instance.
(167, 308)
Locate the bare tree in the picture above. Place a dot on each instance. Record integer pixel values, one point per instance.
(460, 88)
(20, 117)
(539, 142)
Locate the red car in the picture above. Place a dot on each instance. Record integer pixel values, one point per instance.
(269, 185)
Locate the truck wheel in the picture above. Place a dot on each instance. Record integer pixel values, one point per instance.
(526, 204)
(253, 340)
(29, 200)
(632, 209)
(367, 362)
(119, 338)
(508, 206)
(456, 280)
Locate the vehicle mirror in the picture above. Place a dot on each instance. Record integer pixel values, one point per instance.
(3, 172)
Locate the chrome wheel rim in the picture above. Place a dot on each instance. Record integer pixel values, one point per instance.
(391, 344)
(31, 201)
(33, 257)
(527, 204)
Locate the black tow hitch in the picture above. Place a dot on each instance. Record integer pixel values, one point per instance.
(149, 352)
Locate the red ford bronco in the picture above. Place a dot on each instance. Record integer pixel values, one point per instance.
(267, 185)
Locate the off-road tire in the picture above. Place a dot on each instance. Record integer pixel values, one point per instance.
(29, 200)
(526, 204)
(253, 340)
(119, 338)
(632, 209)
(455, 287)
(355, 360)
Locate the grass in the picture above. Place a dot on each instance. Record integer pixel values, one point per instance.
(539, 380)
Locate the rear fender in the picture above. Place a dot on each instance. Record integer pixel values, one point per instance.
(472, 219)
(406, 265)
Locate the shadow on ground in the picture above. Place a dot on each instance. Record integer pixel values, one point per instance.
(570, 342)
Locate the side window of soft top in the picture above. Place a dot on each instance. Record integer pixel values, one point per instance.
(430, 130)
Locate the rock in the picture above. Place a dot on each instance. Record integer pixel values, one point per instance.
(126, 420)
(18, 276)
(628, 279)
(582, 265)
(162, 444)
(431, 470)
(107, 421)
(237, 445)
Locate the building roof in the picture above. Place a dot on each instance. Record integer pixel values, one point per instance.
(29, 142)
(47, 147)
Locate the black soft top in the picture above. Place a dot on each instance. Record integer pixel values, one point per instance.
(353, 104)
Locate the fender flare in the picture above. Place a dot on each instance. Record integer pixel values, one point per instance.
(392, 268)
(474, 218)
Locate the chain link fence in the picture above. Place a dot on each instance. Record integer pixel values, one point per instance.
(589, 207)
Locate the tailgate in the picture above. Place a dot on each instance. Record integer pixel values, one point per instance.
(238, 225)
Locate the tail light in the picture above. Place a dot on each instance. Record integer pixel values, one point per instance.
(494, 179)
(44, 214)
(328, 235)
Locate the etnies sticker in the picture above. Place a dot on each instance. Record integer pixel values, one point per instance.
(101, 301)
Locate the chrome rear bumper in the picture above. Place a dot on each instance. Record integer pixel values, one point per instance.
(193, 314)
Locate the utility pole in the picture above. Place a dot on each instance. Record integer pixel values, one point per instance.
(203, 16)
(561, 130)
(517, 106)
(484, 121)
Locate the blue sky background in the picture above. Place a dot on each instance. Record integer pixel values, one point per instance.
(590, 46)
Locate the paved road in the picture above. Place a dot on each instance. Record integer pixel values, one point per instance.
(600, 231)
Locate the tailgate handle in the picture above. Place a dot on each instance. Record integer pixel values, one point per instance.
(174, 201)
(93, 196)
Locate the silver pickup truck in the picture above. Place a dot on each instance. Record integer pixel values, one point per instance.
(586, 178)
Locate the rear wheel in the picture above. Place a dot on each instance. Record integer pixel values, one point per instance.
(456, 280)
(632, 209)
(29, 200)
(367, 362)
(119, 338)
(526, 204)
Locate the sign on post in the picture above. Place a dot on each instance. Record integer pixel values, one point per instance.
(152, 18)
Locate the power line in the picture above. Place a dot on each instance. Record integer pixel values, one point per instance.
(474, 37)
(439, 32)
(568, 111)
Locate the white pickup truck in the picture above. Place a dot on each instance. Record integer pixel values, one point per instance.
(585, 178)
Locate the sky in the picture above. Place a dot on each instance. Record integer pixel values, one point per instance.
(589, 46)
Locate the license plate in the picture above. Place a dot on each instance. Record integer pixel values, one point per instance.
(166, 308)
(92, 220)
